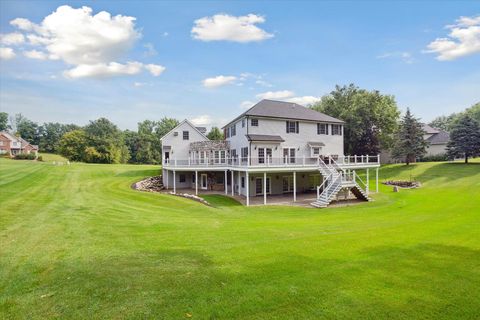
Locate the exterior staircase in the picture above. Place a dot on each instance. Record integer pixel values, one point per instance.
(335, 181)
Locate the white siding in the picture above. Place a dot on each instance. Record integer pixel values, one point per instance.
(179, 147)
(436, 149)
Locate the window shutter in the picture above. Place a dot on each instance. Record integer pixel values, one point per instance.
(287, 125)
(326, 128)
(298, 125)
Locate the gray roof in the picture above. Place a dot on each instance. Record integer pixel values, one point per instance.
(316, 144)
(285, 110)
(264, 137)
(428, 129)
(202, 129)
(441, 137)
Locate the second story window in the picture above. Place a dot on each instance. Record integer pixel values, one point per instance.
(322, 128)
(336, 130)
(243, 123)
(292, 127)
(254, 122)
(186, 135)
(233, 130)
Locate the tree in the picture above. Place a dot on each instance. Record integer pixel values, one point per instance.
(4, 121)
(409, 143)
(464, 138)
(215, 134)
(165, 125)
(447, 122)
(73, 144)
(370, 117)
(107, 140)
(51, 133)
(26, 129)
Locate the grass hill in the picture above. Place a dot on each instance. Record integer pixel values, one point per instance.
(77, 242)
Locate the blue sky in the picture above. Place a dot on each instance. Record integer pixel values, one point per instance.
(296, 51)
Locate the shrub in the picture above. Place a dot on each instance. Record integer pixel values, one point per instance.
(434, 158)
(39, 158)
(25, 156)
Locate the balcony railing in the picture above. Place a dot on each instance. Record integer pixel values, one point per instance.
(342, 161)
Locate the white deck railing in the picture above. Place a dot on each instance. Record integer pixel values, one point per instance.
(342, 161)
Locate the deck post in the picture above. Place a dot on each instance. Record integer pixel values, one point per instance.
(247, 186)
(225, 183)
(232, 182)
(264, 188)
(294, 186)
(174, 183)
(376, 180)
(196, 182)
(166, 171)
(368, 182)
(239, 182)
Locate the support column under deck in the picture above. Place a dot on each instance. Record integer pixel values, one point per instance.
(376, 180)
(225, 183)
(232, 183)
(196, 182)
(368, 182)
(174, 183)
(294, 186)
(247, 186)
(264, 188)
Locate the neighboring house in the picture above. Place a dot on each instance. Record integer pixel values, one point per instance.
(274, 148)
(12, 145)
(437, 144)
(437, 139)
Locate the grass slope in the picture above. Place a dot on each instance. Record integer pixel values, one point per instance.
(76, 242)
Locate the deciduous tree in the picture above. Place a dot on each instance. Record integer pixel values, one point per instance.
(215, 134)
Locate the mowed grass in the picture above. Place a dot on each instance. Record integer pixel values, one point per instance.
(76, 242)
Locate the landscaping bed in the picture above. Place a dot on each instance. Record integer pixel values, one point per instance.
(403, 184)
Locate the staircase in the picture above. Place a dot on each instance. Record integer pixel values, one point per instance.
(336, 180)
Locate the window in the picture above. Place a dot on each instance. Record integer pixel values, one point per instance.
(243, 182)
(233, 153)
(244, 153)
(186, 135)
(292, 126)
(254, 122)
(336, 129)
(233, 130)
(315, 151)
(261, 155)
(1, 143)
(227, 132)
(289, 155)
(219, 156)
(182, 178)
(243, 123)
(322, 128)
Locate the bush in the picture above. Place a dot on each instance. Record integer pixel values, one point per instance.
(39, 158)
(434, 158)
(25, 156)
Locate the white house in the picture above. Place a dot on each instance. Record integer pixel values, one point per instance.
(273, 148)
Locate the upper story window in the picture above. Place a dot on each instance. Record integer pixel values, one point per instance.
(254, 122)
(336, 129)
(292, 126)
(227, 132)
(233, 130)
(322, 128)
(243, 123)
(186, 135)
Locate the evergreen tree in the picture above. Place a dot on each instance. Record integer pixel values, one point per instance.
(464, 138)
(409, 143)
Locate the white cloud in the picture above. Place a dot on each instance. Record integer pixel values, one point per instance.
(463, 40)
(150, 50)
(404, 56)
(230, 28)
(103, 70)
(218, 81)
(14, 38)
(91, 43)
(6, 53)
(155, 69)
(34, 54)
(139, 84)
(246, 104)
(305, 100)
(278, 95)
(202, 120)
(264, 83)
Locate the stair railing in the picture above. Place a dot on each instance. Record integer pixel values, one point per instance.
(324, 184)
(357, 178)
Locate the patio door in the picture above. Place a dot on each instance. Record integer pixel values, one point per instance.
(259, 186)
(287, 184)
(203, 181)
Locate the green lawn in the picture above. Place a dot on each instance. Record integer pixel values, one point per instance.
(77, 243)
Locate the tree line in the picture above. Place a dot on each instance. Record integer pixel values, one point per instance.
(372, 123)
(100, 141)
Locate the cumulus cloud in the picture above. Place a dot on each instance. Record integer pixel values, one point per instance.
(230, 28)
(202, 120)
(35, 54)
(305, 100)
(246, 104)
(463, 40)
(92, 43)
(279, 95)
(6, 53)
(218, 81)
(14, 38)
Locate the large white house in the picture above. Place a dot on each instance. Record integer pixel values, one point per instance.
(273, 148)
